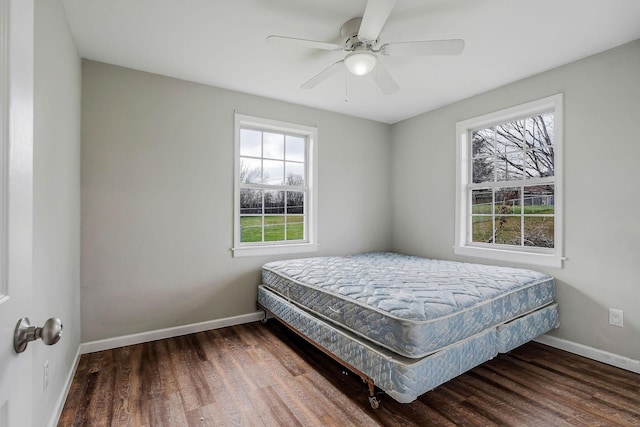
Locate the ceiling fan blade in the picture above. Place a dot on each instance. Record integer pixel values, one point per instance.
(374, 18)
(431, 47)
(313, 44)
(322, 75)
(384, 80)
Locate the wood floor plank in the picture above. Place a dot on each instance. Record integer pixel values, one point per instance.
(270, 412)
(588, 378)
(524, 385)
(283, 350)
(76, 394)
(287, 391)
(455, 410)
(324, 398)
(264, 375)
(505, 406)
(417, 413)
(207, 416)
(193, 386)
(123, 407)
(100, 409)
(296, 393)
(581, 383)
(234, 360)
(236, 404)
(610, 376)
(554, 384)
(615, 400)
(168, 378)
(224, 406)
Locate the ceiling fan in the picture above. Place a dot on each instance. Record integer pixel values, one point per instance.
(361, 41)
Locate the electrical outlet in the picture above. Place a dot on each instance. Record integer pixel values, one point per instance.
(45, 376)
(616, 317)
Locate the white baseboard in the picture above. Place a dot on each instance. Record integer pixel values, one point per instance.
(55, 417)
(591, 353)
(110, 343)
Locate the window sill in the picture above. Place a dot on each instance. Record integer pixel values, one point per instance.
(538, 259)
(274, 249)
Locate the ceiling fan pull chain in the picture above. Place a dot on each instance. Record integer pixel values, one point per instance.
(346, 87)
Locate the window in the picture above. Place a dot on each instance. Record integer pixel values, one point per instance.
(509, 184)
(275, 195)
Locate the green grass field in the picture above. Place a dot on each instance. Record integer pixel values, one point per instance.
(515, 210)
(274, 228)
(538, 231)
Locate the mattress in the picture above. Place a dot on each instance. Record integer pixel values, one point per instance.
(410, 305)
(404, 379)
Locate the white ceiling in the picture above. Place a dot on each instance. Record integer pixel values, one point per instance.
(222, 43)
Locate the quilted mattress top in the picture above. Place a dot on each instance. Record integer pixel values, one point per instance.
(411, 305)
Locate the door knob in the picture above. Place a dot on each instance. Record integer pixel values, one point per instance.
(50, 333)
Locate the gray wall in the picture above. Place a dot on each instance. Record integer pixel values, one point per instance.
(157, 195)
(56, 203)
(602, 226)
(157, 198)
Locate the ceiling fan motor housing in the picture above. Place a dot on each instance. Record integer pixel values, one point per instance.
(349, 32)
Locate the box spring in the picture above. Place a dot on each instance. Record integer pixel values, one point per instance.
(402, 378)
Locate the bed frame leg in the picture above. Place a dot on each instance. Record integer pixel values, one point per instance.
(267, 314)
(373, 400)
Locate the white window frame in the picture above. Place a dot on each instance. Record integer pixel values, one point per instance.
(551, 257)
(309, 244)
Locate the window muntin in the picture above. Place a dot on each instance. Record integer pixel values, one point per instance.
(509, 180)
(275, 200)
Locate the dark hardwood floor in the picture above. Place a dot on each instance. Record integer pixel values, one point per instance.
(264, 375)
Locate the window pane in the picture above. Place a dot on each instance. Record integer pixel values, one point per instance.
(273, 146)
(540, 131)
(274, 202)
(250, 170)
(250, 143)
(295, 227)
(481, 201)
(273, 228)
(294, 173)
(508, 230)
(539, 163)
(483, 169)
(539, 200)
(482, 229)
(510, 137)
(295, 202)
(295, 148)
(538, 231)
(482, 142)
(507, 201)
(509, 167)
(273, 172)
(251, 229)
(250, 201)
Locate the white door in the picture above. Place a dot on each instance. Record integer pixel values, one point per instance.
(16, 177)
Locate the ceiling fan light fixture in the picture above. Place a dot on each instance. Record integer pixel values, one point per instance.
(360, 63)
